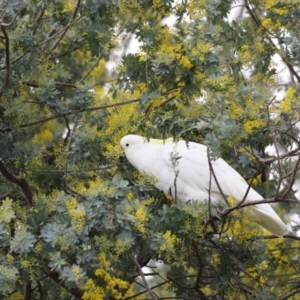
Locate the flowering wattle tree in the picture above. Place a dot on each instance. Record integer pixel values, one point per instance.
(76, 220)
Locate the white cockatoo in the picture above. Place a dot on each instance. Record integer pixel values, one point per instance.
(182, 170)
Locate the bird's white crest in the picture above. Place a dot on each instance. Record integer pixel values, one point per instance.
(192, 175)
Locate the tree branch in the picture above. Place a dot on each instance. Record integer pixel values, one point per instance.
(67, 27)
(144, 279)
(197, 282)
(40, 290)
(250, 203)
(38, 21)
(8, 24)
(291, 153)
(290, 294)
(20, 181)
(211, 169)
(145, 291)
(7, 54)
(256, 20)
(9, 195)
(72, 112)
(74, 291)
(68, 51)
(91, 69)
(27, 292)
(292, 179)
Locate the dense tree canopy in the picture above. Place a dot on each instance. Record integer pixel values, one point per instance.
(76, 220)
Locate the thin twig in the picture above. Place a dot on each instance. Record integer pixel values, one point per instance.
(73, 290)
(9, 195)
(256, 20)
(67, 27)
(209, 189)
(71, 133)
(20, 181)
(7, 54)
(125, 23)
(290, 294)
(233, 260)
(27, 291)
(248, 189)
(16, 59)
(68, 51)
(71, 171)
(145, 291)
(250, 203)
(292, 179)
(211, 169)
(270, 160)
(9, 24)
(40, 289)
(37, 21)
(91, 69)
(144, 279)
(72, 112)
(197, 282)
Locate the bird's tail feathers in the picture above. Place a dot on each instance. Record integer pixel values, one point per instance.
(269, 221)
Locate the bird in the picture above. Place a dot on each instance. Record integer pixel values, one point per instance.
(184, 171)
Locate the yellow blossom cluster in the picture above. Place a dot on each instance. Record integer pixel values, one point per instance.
(121, 246)
(185, 62)
(236, 111)
(251, 125)
(58, 153)
(92, 292)
(286, 105)
(15, 296)
(118, 124)
(231, 200)
(97, 186)
(139, 213)
(191, 110)
(129, 195)
(245, 54)
(130, 6)
(45, 133)
(28, 263)
(77, 213)
(269, 4)
(112, 286)
(10, 259)
(220, 83)
(170, 242)
(38, 247)
(280, 11)
(241, 230)
(259, 47)
(168, 50)
(77, 273)
(201, 50)
(69, 6)
(157, 3)
(271, 24)
(141, 217)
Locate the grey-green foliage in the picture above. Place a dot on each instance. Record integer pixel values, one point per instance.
(74, 213)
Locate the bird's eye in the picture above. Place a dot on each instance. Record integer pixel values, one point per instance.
(127, 145)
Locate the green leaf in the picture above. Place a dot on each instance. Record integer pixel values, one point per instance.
(6, 211)
(23, 241)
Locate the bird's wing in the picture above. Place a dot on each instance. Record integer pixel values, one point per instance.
(184, 172)
(194, 180)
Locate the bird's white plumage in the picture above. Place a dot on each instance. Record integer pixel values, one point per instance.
(191, 178)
